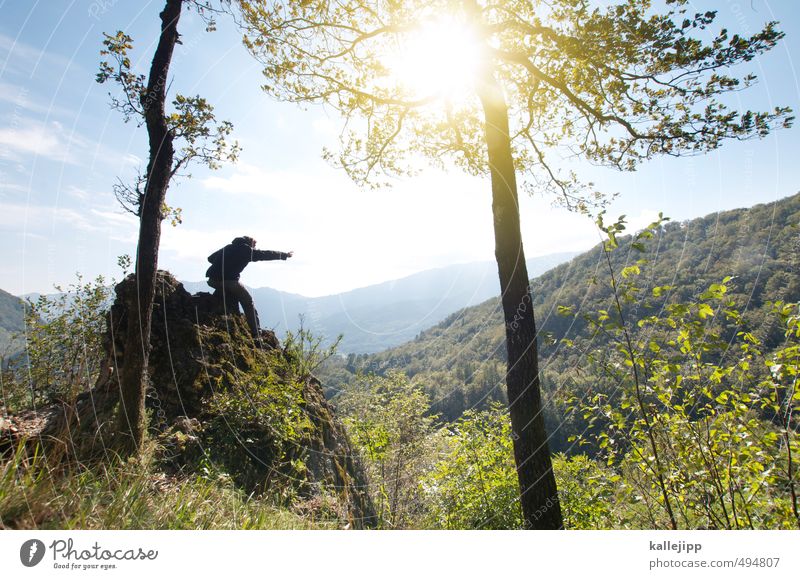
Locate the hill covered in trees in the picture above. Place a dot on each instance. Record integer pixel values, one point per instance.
(669, 369)
(241, 436)
(461, 361)
(12, 323)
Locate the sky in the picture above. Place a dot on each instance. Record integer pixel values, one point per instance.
(62, 148)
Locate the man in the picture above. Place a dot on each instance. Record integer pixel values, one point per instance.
(226, 266)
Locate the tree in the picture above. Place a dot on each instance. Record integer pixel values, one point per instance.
(388, 419)
(192, 125)
(499, 87)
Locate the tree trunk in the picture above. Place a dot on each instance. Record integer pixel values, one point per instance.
(538, 496)
(137, 341)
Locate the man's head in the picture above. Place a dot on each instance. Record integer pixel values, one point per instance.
(246, 240)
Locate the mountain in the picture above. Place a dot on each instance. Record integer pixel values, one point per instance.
(12, 322)
(380, 316)
(371, 318)
(461, 361)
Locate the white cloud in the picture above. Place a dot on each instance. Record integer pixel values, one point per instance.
(22, 217)
(184, 243)
(47, 220)
(246, 179)
(77, 193)
(346, 237)
(20, 98)
(15, 187)
(50, 140)
(22, 58)
(132, 160)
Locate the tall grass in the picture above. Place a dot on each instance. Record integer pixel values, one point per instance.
(129, 495)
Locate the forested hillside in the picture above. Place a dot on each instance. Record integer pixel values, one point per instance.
(12, 315)
(669, 365)
(460, 362)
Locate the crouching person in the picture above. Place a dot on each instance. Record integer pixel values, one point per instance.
(227, 264)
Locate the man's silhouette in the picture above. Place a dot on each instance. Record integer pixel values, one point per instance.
(226, 266)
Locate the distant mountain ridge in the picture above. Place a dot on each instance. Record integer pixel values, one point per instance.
(371, 318)
(387, 314)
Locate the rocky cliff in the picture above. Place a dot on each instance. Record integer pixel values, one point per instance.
(217, 400)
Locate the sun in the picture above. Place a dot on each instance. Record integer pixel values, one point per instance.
(440, 58)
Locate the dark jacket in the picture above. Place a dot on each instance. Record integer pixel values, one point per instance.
(227, 263)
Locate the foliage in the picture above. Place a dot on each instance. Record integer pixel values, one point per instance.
(616, 84)
(262, 412)
(192, 122)
(129, 495)
(474, 484)
(388, 421)
(307, 351)
(63, 346)
(690, 407)
(590, 493)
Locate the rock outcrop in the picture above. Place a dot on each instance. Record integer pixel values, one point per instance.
(219, 398)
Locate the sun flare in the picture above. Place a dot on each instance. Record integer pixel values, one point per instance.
(440, 58)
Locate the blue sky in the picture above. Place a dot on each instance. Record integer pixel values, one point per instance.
(62, 148)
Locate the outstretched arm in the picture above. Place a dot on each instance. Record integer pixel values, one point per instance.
(268, 255)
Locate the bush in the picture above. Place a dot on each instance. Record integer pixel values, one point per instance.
(474, 484)
(63, 340)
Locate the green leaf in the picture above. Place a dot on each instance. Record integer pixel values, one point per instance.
(631, 270)
(704, 310)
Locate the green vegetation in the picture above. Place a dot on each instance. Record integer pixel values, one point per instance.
(239, 436)
(62, 339)
(674, 405)
(474, 483)
(670, 358)
(389, 423)
(460, 362)
(131, 495)
(688, 407)
(672, 409)
(686, 438)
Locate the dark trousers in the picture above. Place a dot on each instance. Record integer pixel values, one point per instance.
(232, 289)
